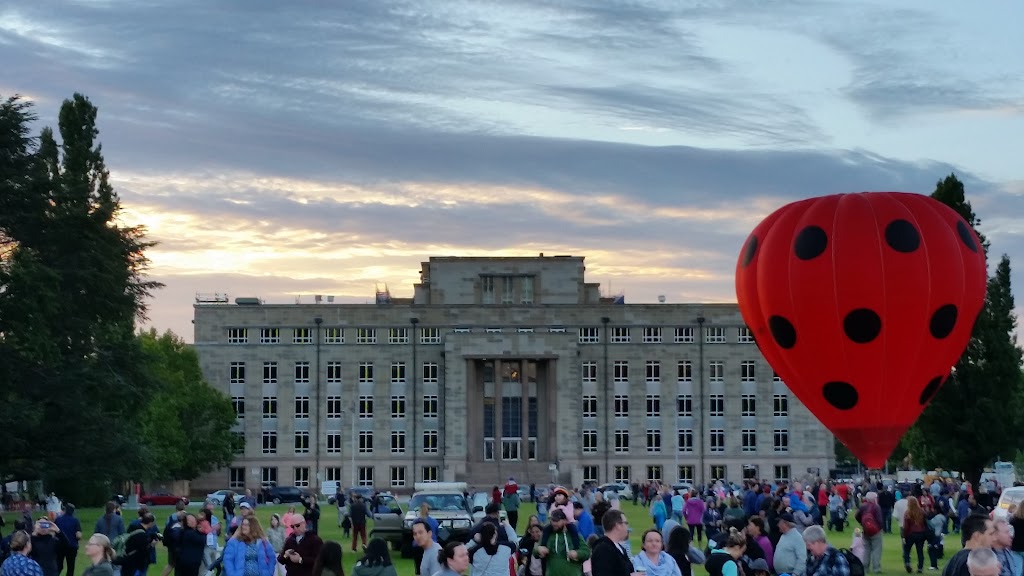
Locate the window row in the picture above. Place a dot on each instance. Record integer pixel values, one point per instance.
(684, 441)
(301, 476)
(684, 371)
(335, 335)
(364, 442)
(365, 372)
(365, 407)
(684, 405)
(685, 473)
(659, 335)
(507, 289)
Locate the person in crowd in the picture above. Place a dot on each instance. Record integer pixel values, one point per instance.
(190, 544)
(978, 531)
(170, 537)
(47, 543)
(357, 513)
(100, 554)
(724, 561)
(531, 565)
(138, 549)
(489, 556)
(453, 559)
(652, 559)
(563, 549)
(693, 514)
(511, 502)
(1002, 540)
(791, 553)
(822, 558)
(311, 514)
(276, 536)
(680, 547)
(328, 562)
(228, 507)
(339, 501)
(110, 524)
(914, 533)
(870, 517)
(584, 521)
(983, 562)
(19, 563)
(248, 552)
(423, 537)
(301, 550)
(376, 561)
(71, 527)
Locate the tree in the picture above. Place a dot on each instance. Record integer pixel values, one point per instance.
(72, 284)
(974, 418)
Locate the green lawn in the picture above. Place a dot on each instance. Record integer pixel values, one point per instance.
(892, 562)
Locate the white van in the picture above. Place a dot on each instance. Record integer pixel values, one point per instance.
(1010, 497)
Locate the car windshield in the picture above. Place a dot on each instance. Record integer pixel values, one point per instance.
(439, 502)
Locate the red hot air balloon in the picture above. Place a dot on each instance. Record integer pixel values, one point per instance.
(862, 303)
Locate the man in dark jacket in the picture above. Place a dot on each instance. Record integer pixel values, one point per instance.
(492, 515)
(300, 551)
(357, 515)
(137, 556)
(609, 556)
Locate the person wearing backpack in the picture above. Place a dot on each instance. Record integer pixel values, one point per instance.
(824, 560)
(870, 517)
(132, 549)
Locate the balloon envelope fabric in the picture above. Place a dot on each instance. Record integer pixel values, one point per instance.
(862, 303)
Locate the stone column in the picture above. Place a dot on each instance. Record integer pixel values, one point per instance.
(499, 376)
(524, 383)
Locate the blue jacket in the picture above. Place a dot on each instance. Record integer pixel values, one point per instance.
(585, 524)
(234, 557)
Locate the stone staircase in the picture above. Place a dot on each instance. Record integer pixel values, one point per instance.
(486, 475)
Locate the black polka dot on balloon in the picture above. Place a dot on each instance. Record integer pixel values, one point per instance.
(943, 321)
(810, 243)
(929, 391)
(749, 250)
(862, 325)
(783, 331)
(841, 395)
(965, 236)
(902, 236)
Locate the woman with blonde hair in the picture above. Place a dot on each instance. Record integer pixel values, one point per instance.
(19, 563)
(100, 553)
(248, 553)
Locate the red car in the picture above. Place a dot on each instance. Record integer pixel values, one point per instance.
(161, 499)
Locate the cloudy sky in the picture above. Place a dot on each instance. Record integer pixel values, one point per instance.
(277, 149)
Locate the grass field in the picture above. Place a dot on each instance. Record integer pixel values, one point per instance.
(892, 562)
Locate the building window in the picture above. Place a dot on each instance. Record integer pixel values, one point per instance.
(717, 405)
(462, 330)
(270, 406)
(590, 335)
(654, 440)
(238, 403)
(366, 335)
(236, 478)
(398, 372)
(683, 336)
(716, 371)
(238, 336)
(685, 473)
(654, 473)
(621, 402)
(334, 442)
(621, 441)
(429, 373)
(526, 290)
(270, 372)
(270, 442)
(268, 475)
(333, 473)
(714, 335)
(301, 476)
(238, 442)
(589, 441)
(747, 371)
(366, 476)
(684, 439)
(508, 290)
(622, 475)
(684, 404)
(780, 440)
(684, 371)
(776, 378)
(781, 472)
(744, 335)
(236, 373)
(653, 370)
(653, 402)
(334, 336)
(398, 476)
(620, 371)
(557, 329)
(487, 290)
(652, 335)
(620, 335)
(430, 406)
(398, 406)
(302, 406)
(366, 372)
(590, 406)
(590, 474)
(302, 336)
(302, 442)
(430, 335)
(334, 372)
(430, 474)
(717, 437)
(397, 442)
(365, 442)
(749, 440)
(430, 441)
(589, 370)
(302, 372)
(334, 406)
(366, 407)
(270, 335)
(748, 405)
(780, 405)
(717, 472)
(398, 336)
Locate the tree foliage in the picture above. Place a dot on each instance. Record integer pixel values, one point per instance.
(975, 416)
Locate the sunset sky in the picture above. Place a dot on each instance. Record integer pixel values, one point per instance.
(277, 149)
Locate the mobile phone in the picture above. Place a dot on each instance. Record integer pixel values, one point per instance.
(45, 525)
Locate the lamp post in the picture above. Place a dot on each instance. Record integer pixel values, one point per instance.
(415, 380)
(609, 402)
(316, 439)
(700, 396)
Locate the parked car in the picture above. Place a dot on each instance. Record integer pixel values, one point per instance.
(161, 499)
(284, 494)
(479, 502)
(524, 493)
(1009, 497)
(447, 505)
(623, 490)
(365, 491)
(387, 520)
(682, 487)
(218, 497)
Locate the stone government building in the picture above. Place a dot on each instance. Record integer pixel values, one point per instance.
(499, 367)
